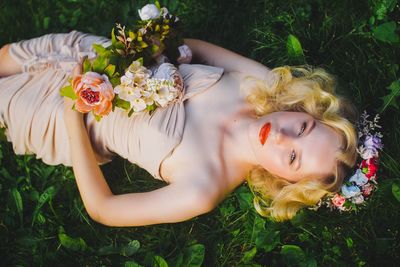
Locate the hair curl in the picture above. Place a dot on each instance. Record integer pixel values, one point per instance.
(310, 90)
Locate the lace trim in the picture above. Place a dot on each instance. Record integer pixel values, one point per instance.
(64, 59)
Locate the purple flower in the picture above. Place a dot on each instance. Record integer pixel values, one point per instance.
(373, 141)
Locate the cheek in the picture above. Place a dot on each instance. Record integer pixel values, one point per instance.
(272, 160)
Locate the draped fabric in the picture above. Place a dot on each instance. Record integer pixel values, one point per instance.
(31, 107)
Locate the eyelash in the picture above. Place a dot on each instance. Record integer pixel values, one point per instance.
(293, 154)
(303, 128)
(292, 157)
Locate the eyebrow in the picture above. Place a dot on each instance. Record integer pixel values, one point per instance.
(299, 156)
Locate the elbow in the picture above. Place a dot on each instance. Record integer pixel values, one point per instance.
(206, 201)
(99, 214)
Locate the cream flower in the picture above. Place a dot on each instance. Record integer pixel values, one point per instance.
(149, 11)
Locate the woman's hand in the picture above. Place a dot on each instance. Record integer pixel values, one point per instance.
(69, 113)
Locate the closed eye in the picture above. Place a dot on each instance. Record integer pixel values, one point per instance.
(303, 128)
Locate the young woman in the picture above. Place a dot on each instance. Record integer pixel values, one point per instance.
(282, 129)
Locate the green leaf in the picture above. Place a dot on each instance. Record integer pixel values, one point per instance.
(249, 255)
(115, 80)
(18, 202)
(193, 256)
(97, 117)
(40, 218)
(86, 66)
(99, 49)
(46, 22)
(99, 64)
(67, 91)
(386, 32)
(113, 38)
(74, 244)
(3, 136)
(245, 200)
(390, 99)
(349, 242)
(159, 261)
(46, 196)
(293, 47)
(109, 70)
(157, 4)
(130, 249)
(382, 8)
(140, 60)
(268, 240)
(154, 49)
(132, 35)
(118, 102)
(396, 191)
(293, 255)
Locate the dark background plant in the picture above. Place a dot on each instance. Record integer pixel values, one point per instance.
(42, 218)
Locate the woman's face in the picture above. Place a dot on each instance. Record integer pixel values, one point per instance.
(293, 145)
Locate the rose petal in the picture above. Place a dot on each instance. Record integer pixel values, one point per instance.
(82, 106)
(103, 108)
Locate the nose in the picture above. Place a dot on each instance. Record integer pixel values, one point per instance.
(282, 137)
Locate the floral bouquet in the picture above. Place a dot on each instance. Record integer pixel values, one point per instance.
(121, 75)
(364, 181)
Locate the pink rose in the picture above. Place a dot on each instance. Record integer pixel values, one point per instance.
(94, 92)
(338, 200)
(367, 189)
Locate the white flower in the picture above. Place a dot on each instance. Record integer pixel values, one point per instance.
(357, 199)
(164, 13)
(138, 104)
(165, 71)
(127, 79)
(350, 191)
(127, 93)
(149, 11)
(368, 152)
(359, 178)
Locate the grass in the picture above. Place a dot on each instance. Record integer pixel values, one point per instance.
(42, 218)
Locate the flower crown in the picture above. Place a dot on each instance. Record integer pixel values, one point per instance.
(363, 182)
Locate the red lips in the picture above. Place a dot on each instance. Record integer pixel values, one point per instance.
(263, 134)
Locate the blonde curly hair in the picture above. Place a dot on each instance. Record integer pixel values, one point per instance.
(310, 90)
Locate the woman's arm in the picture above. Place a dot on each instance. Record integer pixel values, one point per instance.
(213, 55)
(173, 203)
(8, 66)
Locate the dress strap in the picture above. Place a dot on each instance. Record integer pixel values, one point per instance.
(198, 78)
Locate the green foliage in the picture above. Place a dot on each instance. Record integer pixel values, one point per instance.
(355, 40)
(293, 47)
(390, 99)
(67, 91)
(386, 32)
(74, 244)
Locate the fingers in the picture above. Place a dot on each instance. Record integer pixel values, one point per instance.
(185, 54)
(78, 68)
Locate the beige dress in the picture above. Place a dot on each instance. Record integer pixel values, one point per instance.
(31, 107)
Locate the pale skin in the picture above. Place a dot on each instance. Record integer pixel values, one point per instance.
(219, 146)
